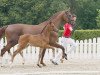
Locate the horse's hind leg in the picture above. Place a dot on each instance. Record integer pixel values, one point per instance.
(7, 48)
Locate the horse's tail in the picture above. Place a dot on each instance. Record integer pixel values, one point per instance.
(2, 31)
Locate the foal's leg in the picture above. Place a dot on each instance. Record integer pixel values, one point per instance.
(15, 53)
(21, 53)
(21, 46)
(64, 55)
(51, 47)
(42, 56)
(39, 58)
(43, 53)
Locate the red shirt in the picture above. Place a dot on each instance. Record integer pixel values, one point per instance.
(67, 30)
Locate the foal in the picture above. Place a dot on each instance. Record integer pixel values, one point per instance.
(40, 40)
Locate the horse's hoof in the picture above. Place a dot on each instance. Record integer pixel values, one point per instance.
(23, 63)
(39, 66)
(11, 65)
(66, 56)
(61, 60)
(2, 66)
(43, 64)
(55, 63)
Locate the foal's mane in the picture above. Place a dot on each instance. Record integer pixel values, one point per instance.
(44, 27)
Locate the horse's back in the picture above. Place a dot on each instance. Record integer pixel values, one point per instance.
(20, 29)
(16, 27)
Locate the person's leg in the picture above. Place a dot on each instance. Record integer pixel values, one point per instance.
(73, 45)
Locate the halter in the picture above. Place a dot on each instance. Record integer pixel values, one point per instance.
(70, 17)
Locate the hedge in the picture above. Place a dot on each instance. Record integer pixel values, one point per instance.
(83, 34)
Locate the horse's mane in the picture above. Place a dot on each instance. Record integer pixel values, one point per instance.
(55, 15)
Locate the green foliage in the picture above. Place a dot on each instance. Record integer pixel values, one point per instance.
(37, 11)
(28, 11)
(86, 13)
(83, 34)
(98, 19)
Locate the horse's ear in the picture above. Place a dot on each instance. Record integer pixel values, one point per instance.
(69, 9)
(67, 12)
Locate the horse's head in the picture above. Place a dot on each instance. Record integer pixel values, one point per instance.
(69, 18)
(52, 27)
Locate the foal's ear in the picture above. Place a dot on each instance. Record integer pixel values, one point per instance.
(50, 22)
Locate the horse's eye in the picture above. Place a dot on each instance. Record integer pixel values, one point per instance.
(69, 16)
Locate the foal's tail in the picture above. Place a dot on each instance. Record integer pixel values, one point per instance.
(2, 31)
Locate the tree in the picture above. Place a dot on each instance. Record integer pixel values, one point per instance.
(98, 19)
(28, 11)
(86, 13)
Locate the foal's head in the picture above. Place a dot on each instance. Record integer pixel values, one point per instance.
(69, 17)
(52, 27)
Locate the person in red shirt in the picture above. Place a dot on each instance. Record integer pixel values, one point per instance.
(67, 30)
(65, 40)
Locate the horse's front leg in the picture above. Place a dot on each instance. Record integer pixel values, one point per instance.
(64, 55)
(43, 52)
(39, 58)
(42, 56)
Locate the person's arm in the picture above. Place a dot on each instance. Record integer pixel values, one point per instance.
(70, 28)
(64, 28)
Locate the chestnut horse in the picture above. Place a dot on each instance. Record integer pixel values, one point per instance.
(40, 40)
(13, 31)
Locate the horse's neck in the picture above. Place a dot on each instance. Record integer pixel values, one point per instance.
(56, 20)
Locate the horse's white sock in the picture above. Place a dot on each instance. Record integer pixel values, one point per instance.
(2, 63)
